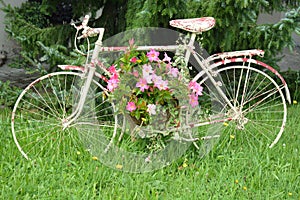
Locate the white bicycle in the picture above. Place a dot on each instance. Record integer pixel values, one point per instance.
(242, 98)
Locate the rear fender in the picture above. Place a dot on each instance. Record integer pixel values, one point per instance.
(250, 60)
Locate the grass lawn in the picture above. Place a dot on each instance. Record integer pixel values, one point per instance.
(226, 173)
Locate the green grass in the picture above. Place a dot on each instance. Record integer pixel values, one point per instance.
(226, 173)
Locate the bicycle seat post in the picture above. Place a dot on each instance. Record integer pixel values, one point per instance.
(190, 47)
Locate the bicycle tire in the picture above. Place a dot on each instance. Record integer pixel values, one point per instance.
(260, 102)
(40, 111)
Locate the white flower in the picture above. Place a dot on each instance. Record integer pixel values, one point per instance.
(151, 109)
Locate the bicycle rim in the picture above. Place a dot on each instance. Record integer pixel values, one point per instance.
(259, 113)
(41, 110)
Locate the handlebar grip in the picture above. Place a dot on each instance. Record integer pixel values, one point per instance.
(91, 32)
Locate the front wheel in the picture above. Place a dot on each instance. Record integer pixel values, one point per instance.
(258, 109)
(43, 108)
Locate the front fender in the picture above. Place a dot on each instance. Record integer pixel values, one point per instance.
(81, 69)
(71, 67)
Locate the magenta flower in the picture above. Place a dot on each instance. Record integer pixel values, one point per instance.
(161, 85)
(112, 69)
(142, 84)
(112, 83)
(115, 76)
(133, 60)
(130, 106)
(151, 109)
(193, 100)
(153, 55)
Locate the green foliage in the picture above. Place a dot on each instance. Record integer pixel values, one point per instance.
(31, 29)
(153, 12)
(293, 80)
(236, 26)
(236, 22)
(8, 94)
(44, 43)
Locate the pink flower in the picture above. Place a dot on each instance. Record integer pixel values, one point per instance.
(191, 84)
(161, 85)
(195, 87)
(174, 71)
(130, 106)
(167, 58)
(153, 55)
(112, 69)
(151, 109)
(193, 100)
(131, 42)
(135, 73)
(112, 84)
(142, 84)
(148, 77)
(133, 60)
(147, 69)
(115, 76)
(156, 78)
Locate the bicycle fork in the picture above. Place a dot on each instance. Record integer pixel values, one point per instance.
(83, 94)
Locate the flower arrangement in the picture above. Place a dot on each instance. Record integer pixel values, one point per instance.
(149, 87)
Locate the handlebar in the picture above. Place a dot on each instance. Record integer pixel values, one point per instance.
(87, 32)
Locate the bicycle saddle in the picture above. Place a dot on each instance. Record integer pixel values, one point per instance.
(195, 25)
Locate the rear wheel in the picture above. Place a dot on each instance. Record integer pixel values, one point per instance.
(259, 112)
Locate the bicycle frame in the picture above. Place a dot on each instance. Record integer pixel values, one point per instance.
(236, 88)
(89, 70)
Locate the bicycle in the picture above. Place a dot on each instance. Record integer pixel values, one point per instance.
(242, 97)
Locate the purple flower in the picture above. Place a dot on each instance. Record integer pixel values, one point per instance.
(142, 84)
(148, 77)
(147, 69)
(130, 106)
